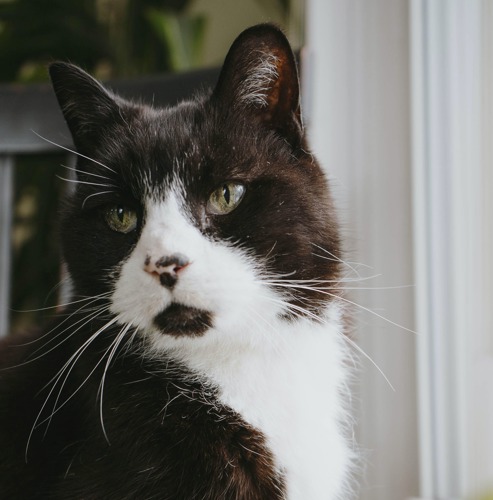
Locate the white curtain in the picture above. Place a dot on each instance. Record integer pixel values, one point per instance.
(399, 96)
(452, 110)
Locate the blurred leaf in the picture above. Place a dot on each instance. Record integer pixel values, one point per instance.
(113, 34)
(183, 36)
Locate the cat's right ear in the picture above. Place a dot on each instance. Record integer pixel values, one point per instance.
(259, 79)
(86, 105)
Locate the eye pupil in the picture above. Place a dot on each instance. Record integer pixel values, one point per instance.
(226, 194)
(120, 213)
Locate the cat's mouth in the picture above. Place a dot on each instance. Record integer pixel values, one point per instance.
(178, 320)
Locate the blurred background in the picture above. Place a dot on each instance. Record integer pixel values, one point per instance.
(398, 104)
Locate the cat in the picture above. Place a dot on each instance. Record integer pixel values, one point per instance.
(203, 354)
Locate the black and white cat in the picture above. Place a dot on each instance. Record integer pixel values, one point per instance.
(203, 354)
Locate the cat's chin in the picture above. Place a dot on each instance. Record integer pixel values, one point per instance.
(180, 320)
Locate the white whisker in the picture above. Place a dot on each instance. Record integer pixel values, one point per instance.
(73, 152)
(299, 284)
(371, 312)
(76, 181)
(113, 346)
(67, 366)
(94, 194)
(353, 344)
(73, 360)
(87, 173)
(85, 320)
(335, 258)
(324, 291)
(65, 304)
(277, 279)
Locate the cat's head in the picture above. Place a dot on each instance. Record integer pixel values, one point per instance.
(207, 216)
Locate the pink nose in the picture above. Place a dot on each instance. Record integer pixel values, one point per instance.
(166, 268)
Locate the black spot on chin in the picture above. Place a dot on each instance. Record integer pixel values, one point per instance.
(179, 320)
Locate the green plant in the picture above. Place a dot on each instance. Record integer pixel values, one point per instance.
(107, 37)
(35, 32)
(182, 35)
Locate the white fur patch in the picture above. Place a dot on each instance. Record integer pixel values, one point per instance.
(286, 378)
(291, 387)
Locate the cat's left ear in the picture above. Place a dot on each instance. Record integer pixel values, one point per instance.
(259, 77)
(86, 105)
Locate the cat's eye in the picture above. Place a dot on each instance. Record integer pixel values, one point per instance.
(226, 198)
(121, 218)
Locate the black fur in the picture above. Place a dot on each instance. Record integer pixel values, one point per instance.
(157, 442)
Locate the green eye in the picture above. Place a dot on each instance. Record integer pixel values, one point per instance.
(121, 219)
(225, 198)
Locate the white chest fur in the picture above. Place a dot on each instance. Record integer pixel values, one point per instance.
(293, 392)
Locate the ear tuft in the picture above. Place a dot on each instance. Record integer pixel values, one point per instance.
(256, 89)
(260, 78)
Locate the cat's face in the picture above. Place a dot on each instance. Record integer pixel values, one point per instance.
(206, 216)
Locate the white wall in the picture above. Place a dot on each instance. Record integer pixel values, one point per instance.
(358, 102)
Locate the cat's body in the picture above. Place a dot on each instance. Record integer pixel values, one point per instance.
(203, 356)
